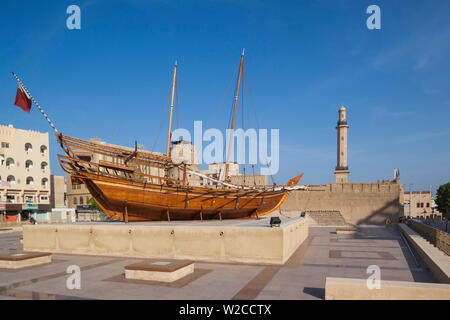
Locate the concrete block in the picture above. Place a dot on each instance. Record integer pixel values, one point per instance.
(356, 289)
(159, 270)
(24, 259)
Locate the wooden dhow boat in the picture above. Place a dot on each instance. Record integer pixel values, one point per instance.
(135, 185)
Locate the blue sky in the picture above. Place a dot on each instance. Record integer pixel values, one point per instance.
(304, 59)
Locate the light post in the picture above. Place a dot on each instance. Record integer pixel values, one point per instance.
(410, 195)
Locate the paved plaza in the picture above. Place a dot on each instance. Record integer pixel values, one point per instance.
(323, 254)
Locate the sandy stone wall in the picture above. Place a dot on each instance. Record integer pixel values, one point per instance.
(192, 242)
(359, 203)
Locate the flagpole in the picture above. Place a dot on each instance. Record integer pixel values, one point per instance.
(35, 102)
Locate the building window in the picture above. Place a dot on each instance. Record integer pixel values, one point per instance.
(44, 150)
(74, 200)
(11, 180)
(44, 198)
(30, 181)
(428, 204)
(2, 159)
(44, 165)
(5, 145)
(421, 204)
(29, 164)
(418, 204)
(10, 163)
(28, 147)
(28, 199)
(11, 199)
(44, 182)
(81, 200)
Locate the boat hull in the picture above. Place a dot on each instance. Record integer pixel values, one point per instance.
(143, 202)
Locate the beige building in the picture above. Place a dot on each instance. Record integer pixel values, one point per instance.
(341, 170)
(217, 171)
(253, 180)
(419, 204)
(183, 152)
(24, 171)
(57, 192)
(77, 194)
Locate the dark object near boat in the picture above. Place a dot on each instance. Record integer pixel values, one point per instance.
(302, 214)
(275, 221)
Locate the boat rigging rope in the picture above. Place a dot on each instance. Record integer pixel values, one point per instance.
(35, 102)
(279, 188)
(177, 104)
(257, 124)
(243, 118)
(162, 122)
(223, 99)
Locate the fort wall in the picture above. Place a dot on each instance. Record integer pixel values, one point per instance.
(359, 203)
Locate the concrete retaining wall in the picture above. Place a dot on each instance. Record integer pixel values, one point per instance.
(436, 237)
(356, 289)
(209, 243)
(437, 261)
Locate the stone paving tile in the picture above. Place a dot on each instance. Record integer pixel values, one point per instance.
(269, 294)
(303, 278)
(43, 270)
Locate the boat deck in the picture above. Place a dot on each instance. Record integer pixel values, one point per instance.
(262, 222)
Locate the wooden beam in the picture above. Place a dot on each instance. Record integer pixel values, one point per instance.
(126, 213)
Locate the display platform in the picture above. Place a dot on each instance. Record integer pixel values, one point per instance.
(159, 270)
(251, 241)
(18, 260)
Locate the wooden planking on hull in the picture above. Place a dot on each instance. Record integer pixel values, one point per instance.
(153, 204)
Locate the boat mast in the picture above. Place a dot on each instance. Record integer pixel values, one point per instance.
(234, 114)
(169, 136)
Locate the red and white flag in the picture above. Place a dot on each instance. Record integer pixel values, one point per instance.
(23, 100)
